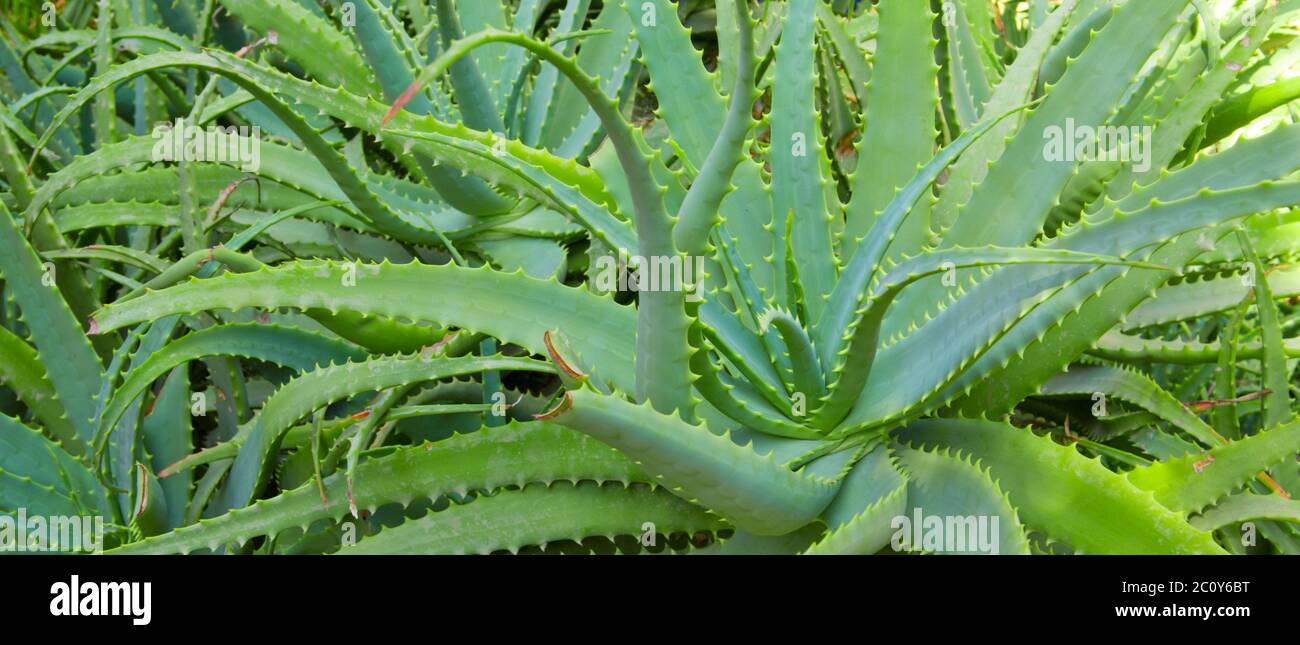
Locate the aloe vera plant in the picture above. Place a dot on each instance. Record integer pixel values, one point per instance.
(580, 275)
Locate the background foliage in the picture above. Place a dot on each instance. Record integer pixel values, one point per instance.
(393, 331)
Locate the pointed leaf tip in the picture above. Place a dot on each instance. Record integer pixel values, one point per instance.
(407, 95)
